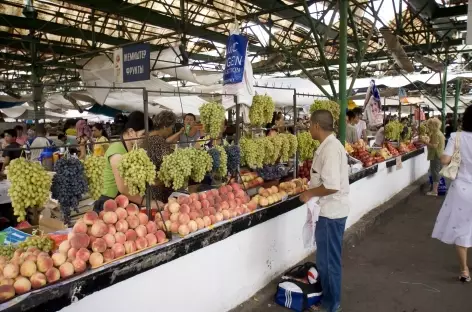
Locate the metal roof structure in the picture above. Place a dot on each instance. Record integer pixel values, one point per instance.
(284, 35)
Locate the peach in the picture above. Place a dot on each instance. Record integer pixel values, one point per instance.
(141, 230)
(224, 205)
(53, 275)
(252, 206)
(232, 204)
(183, 230)
(83, 254)
(18, 252)
(132, 209)
(133, 221)
(38, 280)
(193, 226)
(240, 194)
(6, 292)
(92, 239)
(152, 227)
(122, 226)
(174, 217)
(212, 219)
(167, 224)
(174, 227)
(83, 240)
(99, 229)
(66, 269)
(165, 215)
(99, 245)
(194, 196)
(31, 258)
(22, 285)
(193, 215)
(151, 239)
(131, 235)
(96, 259)
(30, 249)
(218, 199)
(212, 210)
(118, 250)
(229, 189)
(200, 223)
(58, 259)
(7, 281)
(120, 237)
(11, 270)
(205, 204)
(141, 243)
(64, 246)
(90, 217)
(111, 229)
(130, 247)
(121, 213)
(16, 261)
(42, 254)
(231, 196)
(108, 255)
(185, 208)
(110, 205)
(174, 207)
(198, 205)
(222, 190)
(202, 196)
(238, 201)
(109, 239)
(182, 199)
(110, 217)
(122, 201)
(215, 192)
(80, 227)
(206, 220)
(236, 187)
(71, 254)
(44, 264)
(184, 218)
(79, 265)
(233, 213)
(100, 216)
(219, 217)
(226, 214)
(143, 218)
(211, 200)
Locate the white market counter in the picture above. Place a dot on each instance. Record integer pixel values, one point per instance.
(215, 270)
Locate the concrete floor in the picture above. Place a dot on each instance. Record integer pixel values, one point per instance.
(397, 267)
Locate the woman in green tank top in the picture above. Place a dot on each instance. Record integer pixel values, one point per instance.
(113, 183)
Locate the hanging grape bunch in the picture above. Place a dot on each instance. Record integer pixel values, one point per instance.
(68, 185)
(30, 185)
(328, 105)
(234, 158)
(223, 168)
(262, 110)
(285, 148)
(137, 169)
(176, 168)
(393, 130)
(202, 164)
(215, 155)
(293, 144)
(306, 145)
(94, 166)
(272, 172)
(212, 116)
(277, 141)
(251, 152)
(269, 150)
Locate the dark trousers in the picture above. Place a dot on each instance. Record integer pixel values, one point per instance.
(329, 239)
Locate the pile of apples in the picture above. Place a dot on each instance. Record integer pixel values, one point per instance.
(391, 149)
(251, 179)
(188, 214)
(268, 196)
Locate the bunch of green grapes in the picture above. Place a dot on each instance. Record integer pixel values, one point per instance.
(212, 116)
(284, 156)
(423, 129)
(306, 145)
(176, 168)
(7, 251)
(202, 163)
(408, 135)
(293, 144)
(137, 169)
(269, 150)
(329, 105)
(252, 154)
(393, 130)
(223, 169)
(30, 186)
(44, 243)
(277, 141)
(262, 110)
(94, 166)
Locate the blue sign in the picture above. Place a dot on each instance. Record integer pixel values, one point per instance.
(136, 60)
(235, 59)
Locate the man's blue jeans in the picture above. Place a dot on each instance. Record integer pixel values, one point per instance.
(329, 239)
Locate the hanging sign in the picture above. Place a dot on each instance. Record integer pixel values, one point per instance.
(132, 63)
(235, 58)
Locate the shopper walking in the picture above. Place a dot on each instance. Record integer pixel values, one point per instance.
(330, 182)
(454, 223)
(435, 149)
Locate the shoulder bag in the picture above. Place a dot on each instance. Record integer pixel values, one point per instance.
(450, 171)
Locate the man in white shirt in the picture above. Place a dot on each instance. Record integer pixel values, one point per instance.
(330, 182)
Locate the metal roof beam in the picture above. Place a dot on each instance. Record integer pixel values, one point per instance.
(458, 10)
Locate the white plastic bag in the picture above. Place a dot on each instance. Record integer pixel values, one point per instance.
(312, 214)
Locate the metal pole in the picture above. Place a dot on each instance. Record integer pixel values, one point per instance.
(343, 5)
(295, 117)
(443, 95)
(146, 142)
(456, 101)
(238, 120)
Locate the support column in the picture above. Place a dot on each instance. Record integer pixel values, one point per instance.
(456, 101)
(295, 117)
(36, 82)
(443, 98)
(343, 6)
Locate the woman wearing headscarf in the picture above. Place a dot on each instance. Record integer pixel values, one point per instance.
(84, 134)
(113, 183)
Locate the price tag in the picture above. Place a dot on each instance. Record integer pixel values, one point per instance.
(399, 162)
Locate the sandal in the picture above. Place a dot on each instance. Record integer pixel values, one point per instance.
(431, 194)
(465, 277)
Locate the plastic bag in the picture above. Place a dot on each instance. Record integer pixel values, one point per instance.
(308, 231)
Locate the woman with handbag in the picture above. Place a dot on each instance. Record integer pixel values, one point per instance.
(454, 222)
(435, 149)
